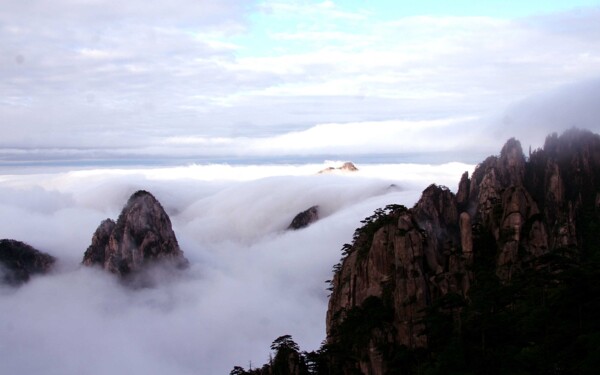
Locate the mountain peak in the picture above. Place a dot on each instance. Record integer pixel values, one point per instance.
(141, 236)
(19, 261)
(512, 219)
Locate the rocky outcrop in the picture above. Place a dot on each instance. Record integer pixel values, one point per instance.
(141, 236)
(346, 167)
(305, 218)
(19, 261)
(512, 211)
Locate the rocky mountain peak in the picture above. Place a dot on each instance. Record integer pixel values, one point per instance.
(346, 167)
(141, 236)
(512, 213)
(512, 163)
(19, 261)
(305, 218)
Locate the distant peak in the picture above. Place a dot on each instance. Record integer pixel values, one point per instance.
(346, 167)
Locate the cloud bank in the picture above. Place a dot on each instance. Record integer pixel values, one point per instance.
(250, 280)
(100, 80)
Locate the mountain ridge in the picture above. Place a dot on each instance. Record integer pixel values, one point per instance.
(438, 288)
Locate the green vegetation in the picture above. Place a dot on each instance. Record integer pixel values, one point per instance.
(287, 360)
(363, 236)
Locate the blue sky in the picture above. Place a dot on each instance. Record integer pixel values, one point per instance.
(493, 8)
(116, 80)
(357, 16)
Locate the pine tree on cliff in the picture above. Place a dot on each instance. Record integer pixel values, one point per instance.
(288, 360)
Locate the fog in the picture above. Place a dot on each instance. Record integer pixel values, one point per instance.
(250, 280)
(531, 119)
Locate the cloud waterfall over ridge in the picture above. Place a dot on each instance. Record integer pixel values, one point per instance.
(249, 281)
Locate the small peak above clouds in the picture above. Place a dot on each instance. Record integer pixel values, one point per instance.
(142, 236)
(346, 167)
(19, 261)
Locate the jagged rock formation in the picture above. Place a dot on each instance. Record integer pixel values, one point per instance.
(141, 236)
(405, 263)
(19, 261)
(346, 167)
(305, 218)
(501, 278)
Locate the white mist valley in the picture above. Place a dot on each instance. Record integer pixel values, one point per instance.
(250, 279)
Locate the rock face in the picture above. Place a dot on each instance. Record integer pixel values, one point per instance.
(142, 236)
(19, 261)
(305, 218)
(403, 261)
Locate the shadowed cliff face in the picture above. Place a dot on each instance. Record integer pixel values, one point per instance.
(142, 236)
(19, 261)
(511, 212)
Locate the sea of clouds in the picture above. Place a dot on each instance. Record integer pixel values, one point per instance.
(250, 279)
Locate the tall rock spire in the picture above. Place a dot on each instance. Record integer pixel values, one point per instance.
(141, 236)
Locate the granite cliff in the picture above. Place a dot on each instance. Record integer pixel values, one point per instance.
(500, 278)
(509, 217)
(141, 236)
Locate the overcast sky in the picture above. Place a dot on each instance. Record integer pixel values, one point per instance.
(96, 79)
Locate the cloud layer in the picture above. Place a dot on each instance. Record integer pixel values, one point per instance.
(112, 80)
(250, 280)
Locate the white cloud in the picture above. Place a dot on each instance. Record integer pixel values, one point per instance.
(112, 80)
(249, 282)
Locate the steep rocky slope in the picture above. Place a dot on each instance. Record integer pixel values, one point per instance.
(19, 261)
(509, 217)
(141, 236)
(502, 277)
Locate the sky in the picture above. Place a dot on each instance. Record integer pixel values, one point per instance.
(106, 81)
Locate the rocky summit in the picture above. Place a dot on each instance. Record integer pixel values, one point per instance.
(305, 218)
(19, 261)
(513, 218)
(346, 167)
(141, 236)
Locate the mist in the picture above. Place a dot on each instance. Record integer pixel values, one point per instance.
(552, 111)
(250, 279)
